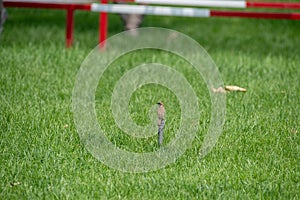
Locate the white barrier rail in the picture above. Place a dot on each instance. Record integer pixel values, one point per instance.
(214, 3)
(150, 10)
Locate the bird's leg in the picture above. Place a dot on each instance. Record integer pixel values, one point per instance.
(161, 132)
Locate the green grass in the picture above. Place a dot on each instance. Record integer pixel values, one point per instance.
(256, 157)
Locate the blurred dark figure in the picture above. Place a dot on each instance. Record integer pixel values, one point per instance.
(131, 21)
(3, 15)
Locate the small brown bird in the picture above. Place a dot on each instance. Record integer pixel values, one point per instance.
(161, 121)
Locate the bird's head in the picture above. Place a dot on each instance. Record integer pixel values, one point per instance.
(160, 103)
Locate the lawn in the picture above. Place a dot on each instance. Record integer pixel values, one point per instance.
(256, 157)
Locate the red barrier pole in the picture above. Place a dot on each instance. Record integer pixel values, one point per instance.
(278, 5)
(220, 13)
(103, 26)
(69, 27)
(70, 8)
(35, 5)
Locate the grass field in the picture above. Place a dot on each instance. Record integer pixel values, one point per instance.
(256, 157)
